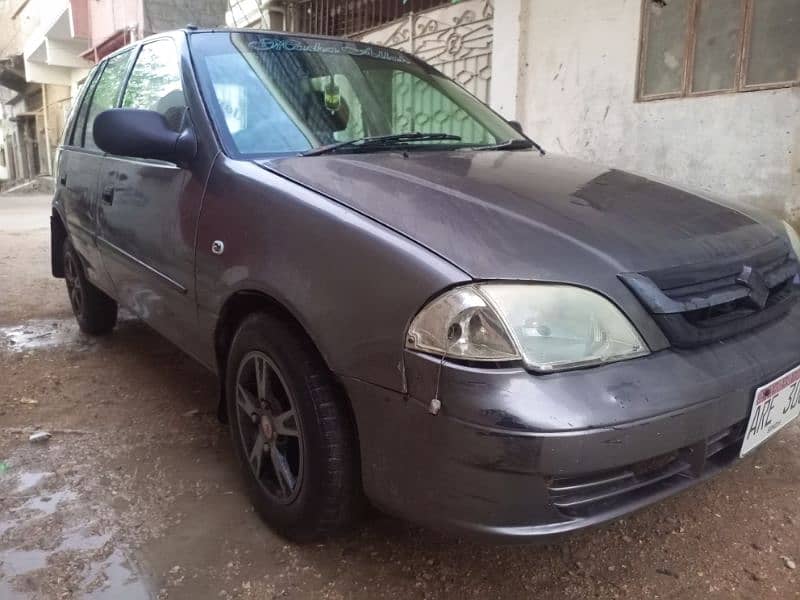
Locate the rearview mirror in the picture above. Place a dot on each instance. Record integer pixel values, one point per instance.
(143, 134)
(516, 126)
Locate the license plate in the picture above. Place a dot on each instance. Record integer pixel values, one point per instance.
(775, 406)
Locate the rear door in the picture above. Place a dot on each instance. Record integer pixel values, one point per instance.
(148, 210)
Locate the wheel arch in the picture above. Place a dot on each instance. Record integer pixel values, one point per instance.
(235, 309)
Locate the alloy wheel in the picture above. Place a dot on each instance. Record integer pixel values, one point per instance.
(269, 429)
(74, 284)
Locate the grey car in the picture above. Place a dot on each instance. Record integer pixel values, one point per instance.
(406, 301)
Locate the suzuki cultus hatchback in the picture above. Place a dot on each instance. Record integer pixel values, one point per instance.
(406, 301)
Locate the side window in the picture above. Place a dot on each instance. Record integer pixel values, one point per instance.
(76, 135)
(155, 82)
(75, 109)
(106, 93)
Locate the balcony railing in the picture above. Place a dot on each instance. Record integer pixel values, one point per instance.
(350, 17)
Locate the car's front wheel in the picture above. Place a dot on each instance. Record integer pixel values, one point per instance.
(94, 310)
(291, 431)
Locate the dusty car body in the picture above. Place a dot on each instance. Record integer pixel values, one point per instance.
(351, 247)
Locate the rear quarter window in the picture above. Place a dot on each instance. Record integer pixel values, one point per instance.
(75, 109)
(76, 135)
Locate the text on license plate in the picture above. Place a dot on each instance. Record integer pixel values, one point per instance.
(775, 405)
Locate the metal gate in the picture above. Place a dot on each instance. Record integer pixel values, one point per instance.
(456, 39)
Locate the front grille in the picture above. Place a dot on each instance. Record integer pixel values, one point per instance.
(708, 302)
(585, 496)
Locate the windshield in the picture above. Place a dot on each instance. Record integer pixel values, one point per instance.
(274, 94)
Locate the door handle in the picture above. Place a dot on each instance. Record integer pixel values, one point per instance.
(63, 179)
(108, 194)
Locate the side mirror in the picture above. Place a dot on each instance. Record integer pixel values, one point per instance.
(516, 126)
(142, 134)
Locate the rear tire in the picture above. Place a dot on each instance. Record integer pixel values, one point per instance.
(94, 310)
(291, 430)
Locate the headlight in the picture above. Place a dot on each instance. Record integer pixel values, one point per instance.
(794, 239)
(461, 324)
(551, 327)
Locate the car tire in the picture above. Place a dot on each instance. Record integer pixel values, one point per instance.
(292, 431)
(95, 311)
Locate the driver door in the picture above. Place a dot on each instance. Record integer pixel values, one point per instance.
(148, 209)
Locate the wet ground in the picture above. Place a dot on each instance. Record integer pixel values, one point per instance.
(136, 496)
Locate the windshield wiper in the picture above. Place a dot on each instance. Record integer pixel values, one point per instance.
(381, 141)
(515, 144)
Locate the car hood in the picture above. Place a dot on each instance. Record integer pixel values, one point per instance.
(519, 215)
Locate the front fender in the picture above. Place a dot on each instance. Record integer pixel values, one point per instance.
(352, 283)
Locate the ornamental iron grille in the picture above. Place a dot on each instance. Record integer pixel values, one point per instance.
(350, 17)
(457, 40)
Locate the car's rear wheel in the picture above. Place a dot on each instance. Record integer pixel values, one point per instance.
(291, 430)
(94, 310)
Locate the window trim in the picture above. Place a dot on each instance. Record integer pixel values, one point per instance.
(741, 63)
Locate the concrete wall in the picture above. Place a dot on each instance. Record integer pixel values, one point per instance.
(109, 16)
(11, 38)
(144, 17)
(59, 100)
(161, 15)
(573, 87)
(80, 18)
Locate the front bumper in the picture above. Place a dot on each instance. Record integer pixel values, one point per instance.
(523, 456)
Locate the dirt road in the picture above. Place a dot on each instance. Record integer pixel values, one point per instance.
(136, 495)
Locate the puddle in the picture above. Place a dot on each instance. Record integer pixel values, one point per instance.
(16, 562)
(6, 591)
(111, 577)
(77, 540)
(29, 480)
(5, 526)
(48, 503)
(42, 334)
(119, 581)
(46, 527)
(100, 569)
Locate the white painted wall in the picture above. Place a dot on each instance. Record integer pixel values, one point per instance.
(575, 95)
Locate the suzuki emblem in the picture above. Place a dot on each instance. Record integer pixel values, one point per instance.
(759, 291)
